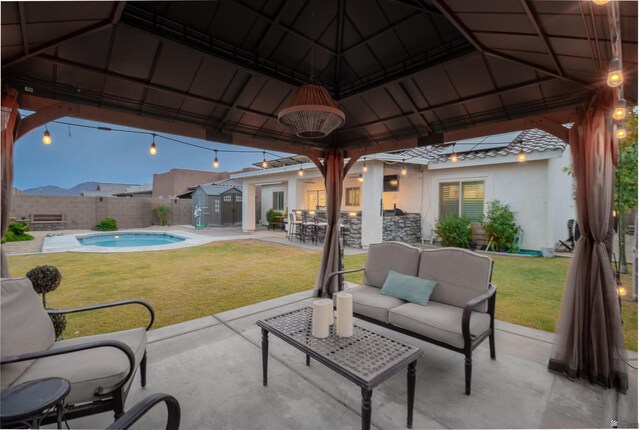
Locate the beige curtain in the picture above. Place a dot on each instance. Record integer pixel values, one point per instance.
(10, 118)
(589, 341)
(333, 172)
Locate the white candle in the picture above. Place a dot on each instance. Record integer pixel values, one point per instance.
(344, 322)
(320, 318)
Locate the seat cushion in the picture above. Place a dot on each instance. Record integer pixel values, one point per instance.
(90, 369)
(26, 327)
(396, 256)
(438, 321)
(369, 302)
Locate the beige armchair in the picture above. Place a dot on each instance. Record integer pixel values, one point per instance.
(100, 368)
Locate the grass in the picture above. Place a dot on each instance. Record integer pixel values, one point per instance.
(194, 282)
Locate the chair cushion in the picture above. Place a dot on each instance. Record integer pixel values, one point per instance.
(87, 370)
(438, 321)
(386, 256)
(461, 275)
(409, 288)
(26, 326)
(369, 302)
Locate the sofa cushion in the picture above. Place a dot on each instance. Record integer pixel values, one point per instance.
(386, 256)
(26, 327)
(461, 275)
(438, 321)
(369, 302)
(89, 369)
(409, 288)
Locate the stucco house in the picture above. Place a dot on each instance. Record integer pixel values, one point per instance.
(523, 169)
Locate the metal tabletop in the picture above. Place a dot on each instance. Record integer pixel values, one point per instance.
(31, 399)
(367, 358)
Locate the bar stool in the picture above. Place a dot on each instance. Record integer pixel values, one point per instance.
(308, 226)
(320, 225)
(295, 227)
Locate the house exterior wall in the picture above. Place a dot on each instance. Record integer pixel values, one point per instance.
(537, 191)
(177, 181)
(84, 212)
(266, 200)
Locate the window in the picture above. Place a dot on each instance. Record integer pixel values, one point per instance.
(238, 198)
(278, 200)
(216, 205)
(352, 197)
(316, 199)
(465, 199)
(227, 198)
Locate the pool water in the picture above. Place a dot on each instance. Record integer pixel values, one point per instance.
(120, 240)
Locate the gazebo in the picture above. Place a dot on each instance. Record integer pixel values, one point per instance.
(394, 74)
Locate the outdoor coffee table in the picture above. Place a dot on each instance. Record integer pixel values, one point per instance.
(367, 358)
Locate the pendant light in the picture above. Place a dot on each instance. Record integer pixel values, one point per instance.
(264, 160)
(300, 171)
(152, 148)
(403, 172)
(365, 169)
(360, 179)
(46, 137)
(454, 156)
(216, 163)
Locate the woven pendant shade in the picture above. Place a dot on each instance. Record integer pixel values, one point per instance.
(312, 113)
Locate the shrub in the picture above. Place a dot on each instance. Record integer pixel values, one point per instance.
(454, 231)
(500, 224)
(163, 212)
(44, 280)
(16, 232)
(272, 214)
(107, 224)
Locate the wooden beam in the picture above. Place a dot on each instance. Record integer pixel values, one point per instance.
(45, 115)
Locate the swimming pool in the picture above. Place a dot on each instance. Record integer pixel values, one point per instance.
(123, 240)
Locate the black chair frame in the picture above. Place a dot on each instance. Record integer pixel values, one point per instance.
(470, 342)
(130, 417)
(107, 398)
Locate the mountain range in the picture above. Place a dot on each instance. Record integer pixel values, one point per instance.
(54, 190)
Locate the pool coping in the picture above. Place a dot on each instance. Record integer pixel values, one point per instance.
(70, 243)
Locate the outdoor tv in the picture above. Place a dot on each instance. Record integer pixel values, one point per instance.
(391, 183)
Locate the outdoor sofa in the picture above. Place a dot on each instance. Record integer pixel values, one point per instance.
(459, 314)
(100, 368)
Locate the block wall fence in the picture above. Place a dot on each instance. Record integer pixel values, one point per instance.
(84, 212)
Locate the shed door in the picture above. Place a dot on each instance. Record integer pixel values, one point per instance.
(227, 209)
(237, 209)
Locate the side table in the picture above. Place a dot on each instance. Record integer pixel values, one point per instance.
(30, 402)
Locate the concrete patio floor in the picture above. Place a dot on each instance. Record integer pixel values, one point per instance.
(213, 367)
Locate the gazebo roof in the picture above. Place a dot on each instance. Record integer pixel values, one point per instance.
(405, 73)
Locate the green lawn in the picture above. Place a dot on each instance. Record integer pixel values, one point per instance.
(194, 282)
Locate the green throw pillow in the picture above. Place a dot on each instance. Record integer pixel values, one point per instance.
(409, 288)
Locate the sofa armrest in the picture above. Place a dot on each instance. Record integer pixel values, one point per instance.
(107, 305)
(138, 410)
(466, 314)
(334, 274)
(76, 348)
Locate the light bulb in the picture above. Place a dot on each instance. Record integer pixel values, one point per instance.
(300, 172)
(601, 2)
(622, 291)
(46, 137)
(365, 169)
(152, 149)
(614, 78)
(360, 179)
(264, 160)
(216, 163)
(620, 111)
(403, 172)
(522, 157)
(621, 133)
(454, 158)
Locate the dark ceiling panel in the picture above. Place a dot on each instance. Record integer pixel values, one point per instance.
(176, 66)
(457, 71)
(133, 62)
(499, 23)
(91, 50)
(514, 42)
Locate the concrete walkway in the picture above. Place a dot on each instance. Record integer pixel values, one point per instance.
(213, 367)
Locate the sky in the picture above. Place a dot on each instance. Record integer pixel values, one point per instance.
(111, 156)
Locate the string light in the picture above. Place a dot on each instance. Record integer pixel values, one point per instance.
(153, 149)
(621, 133)
(622, 291)
(454, 156)
(620, 111)
(365, 169)
(46, 137)
(264, 160)
(216, 162)
(614, 78)
(403, 172)
(300, 171)
(360, 178)
(522, 157)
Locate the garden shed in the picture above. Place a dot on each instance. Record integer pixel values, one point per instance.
(216, 205)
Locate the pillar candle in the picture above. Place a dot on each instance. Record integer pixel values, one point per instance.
(320, 318)
(344, 322)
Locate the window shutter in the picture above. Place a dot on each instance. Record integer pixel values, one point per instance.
(449, 199)
(473, 201)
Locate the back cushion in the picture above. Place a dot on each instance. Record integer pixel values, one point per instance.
(461, 275)
(26, 327)
(396, 256)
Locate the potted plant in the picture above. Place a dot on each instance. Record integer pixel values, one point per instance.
(44, 280)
